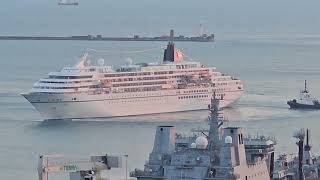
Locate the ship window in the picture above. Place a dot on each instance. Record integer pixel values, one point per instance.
(69, 77)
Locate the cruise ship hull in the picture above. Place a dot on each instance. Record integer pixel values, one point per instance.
(100, 106)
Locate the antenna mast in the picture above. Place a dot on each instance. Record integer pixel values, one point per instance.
(300, 135)
(307, 147)
(201, 30)
(305, 85)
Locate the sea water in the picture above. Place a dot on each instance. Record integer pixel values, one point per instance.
(271, 46)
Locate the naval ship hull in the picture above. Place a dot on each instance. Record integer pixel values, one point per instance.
(295, 105)
(62, 106)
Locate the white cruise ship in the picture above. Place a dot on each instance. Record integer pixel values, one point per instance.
(93, 91)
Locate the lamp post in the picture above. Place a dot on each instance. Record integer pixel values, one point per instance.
(126, 156)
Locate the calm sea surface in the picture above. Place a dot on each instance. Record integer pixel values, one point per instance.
(272, 46)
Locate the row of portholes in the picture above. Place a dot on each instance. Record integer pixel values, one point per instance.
(136, 100)
(196, 91)
(141, 95)
(52, 100)
(189, 97)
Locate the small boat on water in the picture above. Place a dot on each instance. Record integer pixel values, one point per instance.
(66, 2)
(305, 100)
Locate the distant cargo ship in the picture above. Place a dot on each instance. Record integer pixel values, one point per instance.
(66, 2)
(90, 90)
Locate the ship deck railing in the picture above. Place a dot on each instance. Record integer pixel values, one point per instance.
(260, 150)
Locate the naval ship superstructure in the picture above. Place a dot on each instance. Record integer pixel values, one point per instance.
(305, 165)
(219, 154)
(90, 90)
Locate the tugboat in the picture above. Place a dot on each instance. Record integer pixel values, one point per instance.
(305, 100)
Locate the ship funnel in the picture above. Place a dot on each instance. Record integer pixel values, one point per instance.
(172, 54)
(164, 142)
(233, 150)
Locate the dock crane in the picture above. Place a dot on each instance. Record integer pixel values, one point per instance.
(78, 169)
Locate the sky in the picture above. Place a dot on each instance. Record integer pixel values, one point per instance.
(155, 17)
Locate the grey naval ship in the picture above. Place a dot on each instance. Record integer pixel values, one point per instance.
(217, 153)
(220, 153)
(304, 166)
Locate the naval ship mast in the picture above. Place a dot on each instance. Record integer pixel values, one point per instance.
(300, 137)
(215, 130)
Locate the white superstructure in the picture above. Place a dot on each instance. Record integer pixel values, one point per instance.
(89, 91)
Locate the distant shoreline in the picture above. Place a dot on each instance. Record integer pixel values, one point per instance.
(203, 38)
